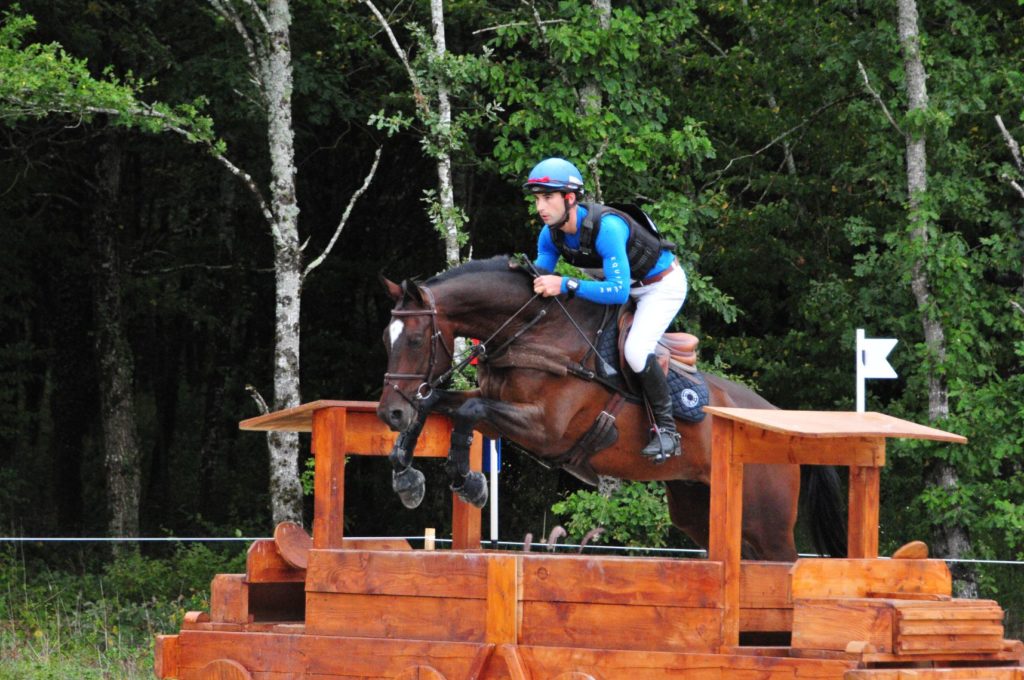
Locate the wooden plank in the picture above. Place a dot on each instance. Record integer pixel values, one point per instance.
(401, 617)
(552, 662)
(765, 585)
(832, 423)
(757, 445)
(165, 656)
(865, 494)
(329, 447)
(368, 436)
(313, 656)
(357, 543)
(617, 580)
(988, 673)
(994, 614)
(726, 523)
(263, 564)
(833, 624)
(766, 620)
(418, 572)
(502, 599)
(946, 627)
(229, 599)
(834, 578)
(611, 626)
(937, 644)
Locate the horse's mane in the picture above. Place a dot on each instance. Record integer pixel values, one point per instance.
(499, 264)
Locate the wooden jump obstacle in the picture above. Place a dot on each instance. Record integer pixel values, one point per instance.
(328, 609)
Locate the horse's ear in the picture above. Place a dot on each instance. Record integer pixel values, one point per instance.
(393, 289)
(412, 292)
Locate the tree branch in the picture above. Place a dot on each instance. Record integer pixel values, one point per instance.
(261, 403)
(515, 24)
(544, 38)
(1012, 143)
(344, 218)
(867, 84)
(417, 89)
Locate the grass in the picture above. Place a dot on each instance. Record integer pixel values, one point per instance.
(99, 621)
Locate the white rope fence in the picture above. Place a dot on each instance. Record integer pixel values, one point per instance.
(536, 547)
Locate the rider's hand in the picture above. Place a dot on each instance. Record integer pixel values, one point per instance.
(548, 285)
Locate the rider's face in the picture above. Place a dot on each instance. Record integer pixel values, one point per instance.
(551, 207)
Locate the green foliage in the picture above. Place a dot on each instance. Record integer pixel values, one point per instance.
(635, 515)
(43, 79)
(100, 624)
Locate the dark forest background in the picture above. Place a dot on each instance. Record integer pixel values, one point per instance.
(757, 133)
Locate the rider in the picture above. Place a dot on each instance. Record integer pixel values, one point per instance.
(637, 265)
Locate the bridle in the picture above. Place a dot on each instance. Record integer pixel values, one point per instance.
(426, 386)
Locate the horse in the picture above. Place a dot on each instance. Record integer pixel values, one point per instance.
(536, 390)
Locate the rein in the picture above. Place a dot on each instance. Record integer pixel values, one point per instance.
(427, 386)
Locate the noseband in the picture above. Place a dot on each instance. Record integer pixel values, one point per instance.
(426, 386)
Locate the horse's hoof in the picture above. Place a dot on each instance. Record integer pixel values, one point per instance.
(410, 485)
(473, 489)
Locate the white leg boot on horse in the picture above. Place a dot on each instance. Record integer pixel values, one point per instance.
(665, 439)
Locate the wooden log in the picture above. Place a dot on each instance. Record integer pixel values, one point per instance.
(915, 550)
(834, 578)
(293, 544)
(223, 669)
(264, 564)
(229, 599)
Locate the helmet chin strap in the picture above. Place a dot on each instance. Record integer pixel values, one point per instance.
(565, 216)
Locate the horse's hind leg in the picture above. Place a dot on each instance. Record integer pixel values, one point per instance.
(689, 507)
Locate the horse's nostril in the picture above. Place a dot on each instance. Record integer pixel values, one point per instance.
(396, 417)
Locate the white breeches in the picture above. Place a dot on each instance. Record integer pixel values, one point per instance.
(656, 307)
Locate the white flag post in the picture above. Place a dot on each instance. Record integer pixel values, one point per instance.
(871, 362)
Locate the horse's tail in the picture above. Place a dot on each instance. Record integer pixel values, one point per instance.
(821, 494)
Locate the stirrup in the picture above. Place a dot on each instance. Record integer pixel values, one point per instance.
(667, 443)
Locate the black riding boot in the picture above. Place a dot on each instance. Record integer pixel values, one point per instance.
(665, 440)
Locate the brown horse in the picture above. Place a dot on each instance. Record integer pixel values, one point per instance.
(529, 396)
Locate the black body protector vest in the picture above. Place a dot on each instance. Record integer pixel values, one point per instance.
(643, 247)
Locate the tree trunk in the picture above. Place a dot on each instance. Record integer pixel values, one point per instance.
(114, 355)
(591, 101)
(285, 489)
(950, 541)
(449, 219)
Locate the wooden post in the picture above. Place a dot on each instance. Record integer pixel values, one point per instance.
(329, 479)
(502, 600)
(726, 527)
(466, 518)
(865, 485)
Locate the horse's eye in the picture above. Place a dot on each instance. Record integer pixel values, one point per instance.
(415, 341)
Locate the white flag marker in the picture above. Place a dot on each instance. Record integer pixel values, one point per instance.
(871, 362)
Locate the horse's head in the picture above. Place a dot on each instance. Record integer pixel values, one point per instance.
(418, 352)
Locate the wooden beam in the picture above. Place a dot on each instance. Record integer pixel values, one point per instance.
(726, 527)
(329, 447)
(865, 494)
(466, 518)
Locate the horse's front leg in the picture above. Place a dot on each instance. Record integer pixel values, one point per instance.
(408, 482)
(469, 485)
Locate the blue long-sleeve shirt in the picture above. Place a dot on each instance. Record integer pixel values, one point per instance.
(610, 246)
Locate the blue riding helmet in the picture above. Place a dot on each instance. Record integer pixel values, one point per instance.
(554, 174)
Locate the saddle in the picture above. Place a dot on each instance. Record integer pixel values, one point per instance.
(674, 350)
